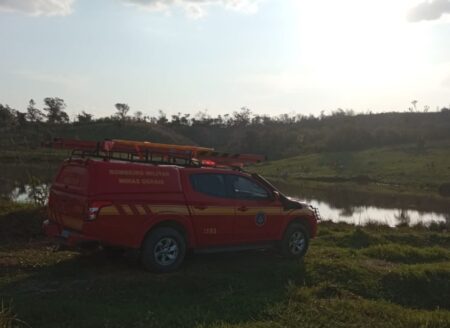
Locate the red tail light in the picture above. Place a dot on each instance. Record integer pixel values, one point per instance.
(207, 162)
(95, 208)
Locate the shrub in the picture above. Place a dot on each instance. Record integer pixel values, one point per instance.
(359, 239)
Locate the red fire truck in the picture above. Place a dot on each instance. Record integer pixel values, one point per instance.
(166, 199)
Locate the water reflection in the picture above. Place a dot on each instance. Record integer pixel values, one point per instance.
(37, 194)
(361, 208)
(25, 183)
(367, 214)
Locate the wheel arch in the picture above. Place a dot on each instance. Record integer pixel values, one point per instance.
(305, 221)
(182, 225)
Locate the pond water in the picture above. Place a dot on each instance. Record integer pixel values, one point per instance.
(361, 215)
(29, 193)
(333, 202)
(25, 183)
(341, 205)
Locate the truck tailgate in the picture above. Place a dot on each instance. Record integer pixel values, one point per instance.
(67, 209)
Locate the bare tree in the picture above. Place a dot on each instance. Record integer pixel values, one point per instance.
(122, 111)
(55, 112)
(84, 117)
(34, 114)
(162, 118)
(7, 116)
(243, 117)
(138, 116)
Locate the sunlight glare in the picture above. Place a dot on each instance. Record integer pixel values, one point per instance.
(356, 42)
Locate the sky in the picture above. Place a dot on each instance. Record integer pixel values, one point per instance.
(272, 56)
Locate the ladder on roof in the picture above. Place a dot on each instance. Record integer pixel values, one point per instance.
(156, 153)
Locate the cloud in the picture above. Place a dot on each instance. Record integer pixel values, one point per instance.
(197, 8)
(195, 11)
(38, 7)
(429, 10)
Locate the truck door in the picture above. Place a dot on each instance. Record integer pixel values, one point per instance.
(258, 214)
(212, 208)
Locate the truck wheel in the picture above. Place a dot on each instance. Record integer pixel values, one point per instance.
(295, 241)
(163, 250)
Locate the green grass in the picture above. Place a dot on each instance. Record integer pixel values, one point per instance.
(405, 168)
(19, 222)
(37, 156)
(407, 254)
(351, 277)
(398, 168)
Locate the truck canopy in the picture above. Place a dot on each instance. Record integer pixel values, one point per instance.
(95, 177)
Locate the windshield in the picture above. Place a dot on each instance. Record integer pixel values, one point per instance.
(265, 182)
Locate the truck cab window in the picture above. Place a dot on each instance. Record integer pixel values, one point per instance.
(244, 188)
(209, 184)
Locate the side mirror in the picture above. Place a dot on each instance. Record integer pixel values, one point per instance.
(276, 195)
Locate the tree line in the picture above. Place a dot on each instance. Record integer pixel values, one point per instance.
(241, 131)
(53, 112)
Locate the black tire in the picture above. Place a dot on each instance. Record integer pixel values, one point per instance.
(292, 248)
(163, 250)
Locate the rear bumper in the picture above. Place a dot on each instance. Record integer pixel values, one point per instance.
(67, 237)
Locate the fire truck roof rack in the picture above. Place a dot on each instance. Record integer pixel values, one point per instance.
(154, 153)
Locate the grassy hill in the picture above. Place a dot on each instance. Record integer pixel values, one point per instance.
(277, 137)
(31, 136)
(398, 167)
(352, 277)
